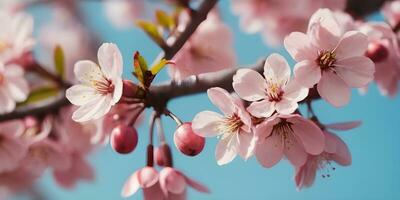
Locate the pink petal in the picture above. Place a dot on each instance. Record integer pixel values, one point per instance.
(260, 109)
(330, 142)
(110, 60)
(172, 181)
(276, 69)
(131, 186)
(342, 155)
(305, 175)
(294, 91)
(299, 46)
(222, 99)
(295, 153)
(269, 151)
(12, 150)
(147, 177)
(226, 150)
(247, 143)
(249, 85)
(307, 73)
(309, 134)
(153, 193)
(324, 29)
(333, 89)
(196, 185)
(352, 44)
(344, 126)
(205, 123)
(356, 71)
(286, 106)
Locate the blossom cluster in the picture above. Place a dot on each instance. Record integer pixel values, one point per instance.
(329, 59)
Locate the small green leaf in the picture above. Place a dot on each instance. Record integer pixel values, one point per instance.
(140, 67)
(158, 67)
(40, 94)
(152, 30)
(165, 20)
(59, 61)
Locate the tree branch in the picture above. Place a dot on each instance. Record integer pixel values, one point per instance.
(160, 94)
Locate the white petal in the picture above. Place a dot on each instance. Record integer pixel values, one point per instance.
(226, 150)
(87, 71)
(205, 123)
(94, 109)
(110, 60)
(81, 94)
(276, 69)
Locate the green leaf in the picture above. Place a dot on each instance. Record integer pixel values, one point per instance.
(139, 66)
(165, 20)
(40, 94)
(158, 67)
(59, 61)
(151, 30)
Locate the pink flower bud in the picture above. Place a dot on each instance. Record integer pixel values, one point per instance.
(187, 141)
(159, 156)
(131, 90)
(377, 52)
(124, 139)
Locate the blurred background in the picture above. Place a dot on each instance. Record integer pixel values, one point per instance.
(374, 174)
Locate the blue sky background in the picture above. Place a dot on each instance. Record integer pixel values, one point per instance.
(374, 174)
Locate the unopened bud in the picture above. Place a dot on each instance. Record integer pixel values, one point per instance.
(187, 141)
(377, 52)
(124, 139)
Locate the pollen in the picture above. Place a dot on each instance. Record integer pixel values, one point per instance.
(284, 130)
(229, 125)
(326, 59)
(104, 86)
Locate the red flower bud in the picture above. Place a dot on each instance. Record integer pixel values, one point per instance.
(163, 156)
(124, 139)
(187, 141)
(377, 52)
(130, 89)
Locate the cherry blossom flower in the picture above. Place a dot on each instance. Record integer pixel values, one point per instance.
(330, 58)
(276, 92)
(13, 87)
(100, 86)
(123, 14)
(234, 127)
(335, 151)
(209, 49)
(146, 178)
(12, 148)
(173, 184)
(275, 19)
(15, 35)
(289, 135)
(391, 11)
(383, 42)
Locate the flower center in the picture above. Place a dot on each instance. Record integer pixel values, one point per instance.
(284, 130)
(229, 125)
(274, 92)
(326, 59)
(104, 86)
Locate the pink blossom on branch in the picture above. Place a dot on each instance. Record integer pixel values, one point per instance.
(12, 148)
(275, 92)
(275, 19)
(123, 13)
(100, 86)
(15, 35)
(383, 49)
(234, 127)
(291, 136)
(209, 49)
(331, 58)
(13, 87)
(335, 151)
(391, 11)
